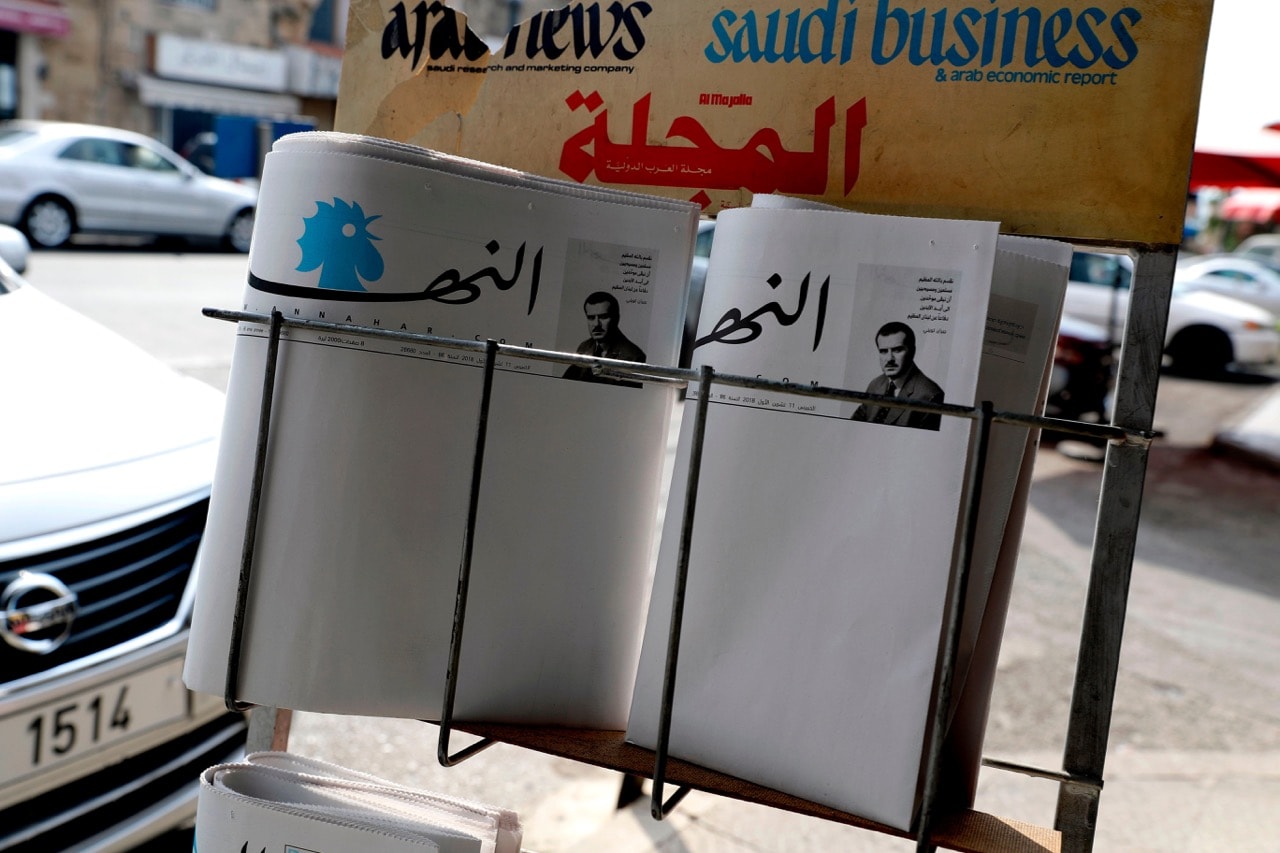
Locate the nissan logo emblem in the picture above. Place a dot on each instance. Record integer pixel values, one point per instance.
(37, 611)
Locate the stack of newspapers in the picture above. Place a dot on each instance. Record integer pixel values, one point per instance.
(283, 802)
(825, 537)
(364, 506)
(826, 532)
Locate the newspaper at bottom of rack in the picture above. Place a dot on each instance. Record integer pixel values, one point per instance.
(285, 802)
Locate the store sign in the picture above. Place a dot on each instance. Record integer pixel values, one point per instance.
(220, 64)
(39, 17)
(1065, 118)
(313, 74)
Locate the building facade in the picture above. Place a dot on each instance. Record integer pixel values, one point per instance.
(171, 68)
(186, 71)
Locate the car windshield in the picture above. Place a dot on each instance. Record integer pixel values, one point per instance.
(702, 246)
(1099, 269)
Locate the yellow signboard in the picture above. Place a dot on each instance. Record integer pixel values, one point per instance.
(1061, 118)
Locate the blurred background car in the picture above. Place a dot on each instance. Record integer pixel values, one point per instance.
(1240, 277)
(1206, 333)
(14, 248)
(1080, 380)
(106, 459)
(201, 151)
(58, 179)
(697, 283)
(1262, 247)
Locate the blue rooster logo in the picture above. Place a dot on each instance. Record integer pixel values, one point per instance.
(337, 241)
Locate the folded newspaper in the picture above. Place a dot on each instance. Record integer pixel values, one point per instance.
(283, 802)
(364, 501)
(1028, 284)
(825, 531)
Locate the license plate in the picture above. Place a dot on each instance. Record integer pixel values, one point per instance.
(77, 724)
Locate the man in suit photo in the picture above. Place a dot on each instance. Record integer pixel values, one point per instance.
(605, 339)
(900, 377)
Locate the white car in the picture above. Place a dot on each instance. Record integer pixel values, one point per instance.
(1239, 277)
(14, 248)
(1206, 331)
(106, 459)
(697, 283)
(1260, 247)
(60, 178)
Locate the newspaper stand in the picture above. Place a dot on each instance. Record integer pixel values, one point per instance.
(1128, 437)
(1080, 777)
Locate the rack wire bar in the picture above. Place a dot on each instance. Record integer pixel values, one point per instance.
(658, 808)
(231, 691)
(464, 574)
(1119, 505)
(686, 376)
(1041, 773)
(952, 618)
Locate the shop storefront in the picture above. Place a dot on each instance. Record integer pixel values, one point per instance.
(230, 101)
(20, 22)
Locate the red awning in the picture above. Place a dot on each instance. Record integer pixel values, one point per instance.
(1214, 169)
(1246, 160)
(41, 17)
(1260, 205)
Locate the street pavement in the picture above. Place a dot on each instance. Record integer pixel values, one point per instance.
(1257, 436)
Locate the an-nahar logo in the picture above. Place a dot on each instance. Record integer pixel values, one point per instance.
(336, 240)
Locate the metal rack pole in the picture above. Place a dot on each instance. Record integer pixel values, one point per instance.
(464, 574)
(1113, 548)
(231, 691)
(658, 808)
(953, 619)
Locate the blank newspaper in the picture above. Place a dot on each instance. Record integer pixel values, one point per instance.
(1028, 284)
(824, 530)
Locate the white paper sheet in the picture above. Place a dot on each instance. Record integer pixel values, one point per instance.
(279, 801)
(363, 510)
(1027, 290)
(822, 546)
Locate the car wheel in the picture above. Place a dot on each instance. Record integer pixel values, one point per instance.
(240, 231)
(49, 222)
(1201, 351)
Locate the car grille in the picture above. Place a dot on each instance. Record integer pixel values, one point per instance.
(126, 585)
(65, 817)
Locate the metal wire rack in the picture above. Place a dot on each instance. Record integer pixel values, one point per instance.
(1080, 780)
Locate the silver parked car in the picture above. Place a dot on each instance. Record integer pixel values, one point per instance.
(106, 459)
(1206, 331)
(60, 178)
(1249, 279)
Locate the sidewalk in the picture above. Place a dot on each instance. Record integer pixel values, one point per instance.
(1257, 436)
